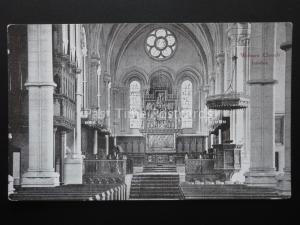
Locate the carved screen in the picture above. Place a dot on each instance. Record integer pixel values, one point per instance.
(159, 111)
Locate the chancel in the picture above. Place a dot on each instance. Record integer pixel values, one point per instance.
(141, 111)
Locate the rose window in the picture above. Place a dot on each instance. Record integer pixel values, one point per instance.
(160, 44)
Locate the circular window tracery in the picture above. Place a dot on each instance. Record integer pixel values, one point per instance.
(160, 44)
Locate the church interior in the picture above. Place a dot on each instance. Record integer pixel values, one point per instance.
(140, 111)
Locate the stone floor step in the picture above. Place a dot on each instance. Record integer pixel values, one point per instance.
(227, 192)
(155, 184)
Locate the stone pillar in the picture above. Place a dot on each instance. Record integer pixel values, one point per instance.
(73, 162)
(220, 136)
(107, 144)
(73, 168)
(65, 40)
(95, 145)
(284, 180)
(115, 140)
(220, 72)
(239, 35)
(262, 144)
(63, 137)
(40, 87)
(204, 120)
(54, 132)
(72, 42)
(93, 80)
(79, 92)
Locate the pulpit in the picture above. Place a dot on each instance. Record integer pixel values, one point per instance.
(228, 159)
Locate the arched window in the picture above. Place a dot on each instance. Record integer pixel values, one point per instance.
(186, 104)
(135, 104)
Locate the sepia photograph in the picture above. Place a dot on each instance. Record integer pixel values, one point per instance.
(149, 111)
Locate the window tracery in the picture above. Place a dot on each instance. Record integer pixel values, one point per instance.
(161, 44)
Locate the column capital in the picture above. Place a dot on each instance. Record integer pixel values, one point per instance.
(239, 33)
(116, 89)
(95, 61)
(106, 77)
(204, 88)
(212, 75)
(29, 84)
(220, 58)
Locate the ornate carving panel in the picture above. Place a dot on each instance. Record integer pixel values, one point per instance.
(161, 142)
(159, 110)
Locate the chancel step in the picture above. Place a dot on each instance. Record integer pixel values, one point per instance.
(156, 182)
(158, 169)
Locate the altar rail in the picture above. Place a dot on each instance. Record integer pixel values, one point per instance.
(104, 171)
(115, 193)
(225, 161)
(201, 170)
(199, 166)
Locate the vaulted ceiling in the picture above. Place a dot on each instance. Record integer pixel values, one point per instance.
(108, 42)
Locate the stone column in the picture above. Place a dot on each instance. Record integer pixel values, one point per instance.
(93, 80)
(220, 59)
(206, 143)
(204, 120)
(54, 132)
(107, 144)
(63, 136)
(262, 144)
(40, 87)
(239, 35)
(77, 152)
(284, 180)
(220, 136)
(73, 162)
(95, 145)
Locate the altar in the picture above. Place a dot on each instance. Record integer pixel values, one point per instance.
(160, 125)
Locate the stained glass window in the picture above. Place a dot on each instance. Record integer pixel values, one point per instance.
(135, 104)
(160, 44)
(186, 104)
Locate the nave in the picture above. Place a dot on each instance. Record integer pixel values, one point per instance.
(149, 111)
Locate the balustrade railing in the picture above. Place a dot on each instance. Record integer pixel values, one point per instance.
(199, 166)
